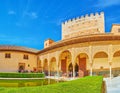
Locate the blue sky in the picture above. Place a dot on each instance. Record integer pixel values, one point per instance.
(29, 22)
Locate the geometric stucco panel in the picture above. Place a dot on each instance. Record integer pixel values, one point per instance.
(96, 49)
(84, 50)
(115, 48)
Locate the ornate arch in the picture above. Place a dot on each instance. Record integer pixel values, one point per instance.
(99, 49)
(85, 55)
(100, 64)
(65, 59)
(39, 65)
(116, 53)
(53, 64)
(45, 66)
(100, 54)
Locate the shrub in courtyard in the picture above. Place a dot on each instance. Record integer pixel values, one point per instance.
(22, 75)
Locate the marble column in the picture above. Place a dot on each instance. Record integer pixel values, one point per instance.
(73, 71)
(110, 64)
(91, 69)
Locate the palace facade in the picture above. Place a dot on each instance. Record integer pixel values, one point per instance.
(85, 49)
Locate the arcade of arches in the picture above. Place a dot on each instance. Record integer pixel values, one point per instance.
(80, 65)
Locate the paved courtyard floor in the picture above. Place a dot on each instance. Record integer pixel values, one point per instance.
(113, 85)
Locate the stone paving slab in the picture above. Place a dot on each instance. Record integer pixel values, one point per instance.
(113, 85)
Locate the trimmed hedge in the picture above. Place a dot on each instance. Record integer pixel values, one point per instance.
(22, 75)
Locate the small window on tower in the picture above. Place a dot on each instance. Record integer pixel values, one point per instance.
(7, 55)
(25, 57)
(119, 30)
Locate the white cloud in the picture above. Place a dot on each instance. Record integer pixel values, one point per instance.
(11, 12)
(32, 15)
(107, 3)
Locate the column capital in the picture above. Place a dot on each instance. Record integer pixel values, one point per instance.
(91, 64)
(110, 63)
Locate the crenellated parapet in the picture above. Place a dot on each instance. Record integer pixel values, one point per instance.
(83, 25)
(85, 18)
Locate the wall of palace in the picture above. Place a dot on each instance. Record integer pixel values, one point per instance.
(99, 55)
(12, 63)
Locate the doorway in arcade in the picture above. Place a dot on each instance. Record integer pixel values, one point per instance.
(81, 65)
(66, 64)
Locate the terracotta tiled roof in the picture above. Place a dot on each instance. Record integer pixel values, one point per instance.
(17, 48)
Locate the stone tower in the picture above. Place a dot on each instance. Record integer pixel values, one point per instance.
(84, 25)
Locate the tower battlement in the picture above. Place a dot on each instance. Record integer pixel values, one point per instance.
(84, 18)
(83, 25)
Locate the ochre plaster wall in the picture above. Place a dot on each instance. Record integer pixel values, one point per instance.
(11, 64)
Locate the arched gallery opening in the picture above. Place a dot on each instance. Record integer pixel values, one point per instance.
(81, 65)
(116, 64)
(65, 63)
(39, 66)
(101, 64)
(53, 66)
(45, 67)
